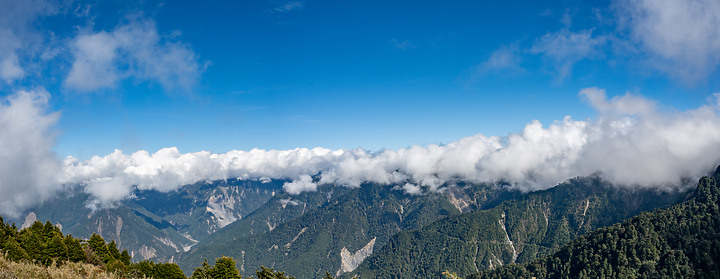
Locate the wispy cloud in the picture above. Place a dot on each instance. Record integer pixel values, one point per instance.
(505, 60)
(563, 49)
(681, 38)
(402, 44)
(303, 118)
(287, 7)
(18, 37)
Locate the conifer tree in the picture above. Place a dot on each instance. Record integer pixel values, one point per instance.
(269, 273)
(97, 244)
(225, 268)
(113, 250)
(203, 271)
(125, 257)
(168, 271)
(75, 251)
(56, 249)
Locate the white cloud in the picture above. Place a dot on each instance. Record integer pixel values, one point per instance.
(28, 166)
(563, 49)
(412, 189)
(135, 50)
(681, 38)
(94, 65)
(107, 191)
(630, 143)
(303, 184)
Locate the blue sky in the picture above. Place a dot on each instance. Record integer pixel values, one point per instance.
(220, 76)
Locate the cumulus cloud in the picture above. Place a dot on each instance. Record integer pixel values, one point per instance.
(136, 50)
(563, 49)
(682, 38)
(629, 143)
(28, 166)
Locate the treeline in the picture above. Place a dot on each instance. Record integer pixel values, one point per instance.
(45, 245)
(225, 267)
(679, 242)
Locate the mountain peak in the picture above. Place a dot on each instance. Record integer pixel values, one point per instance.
(707, 189)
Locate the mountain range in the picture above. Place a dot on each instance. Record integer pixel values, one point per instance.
(371, 231)
(156, 225)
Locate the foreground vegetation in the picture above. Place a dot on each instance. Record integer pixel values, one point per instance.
(43, 246)
(42, 251)
(68, 270)
(223, 268)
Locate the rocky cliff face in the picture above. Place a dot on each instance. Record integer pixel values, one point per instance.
(350, 261)
(201, 209)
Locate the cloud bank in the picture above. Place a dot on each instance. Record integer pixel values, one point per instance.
(630, 143)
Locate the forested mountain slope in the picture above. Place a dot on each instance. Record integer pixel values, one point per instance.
(334, 229)
(339, 233)
(513, 231)
(158, 225)
(682, 241)
(281, 208)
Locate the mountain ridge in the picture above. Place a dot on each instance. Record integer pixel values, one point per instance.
(680, 241)
(516, 230)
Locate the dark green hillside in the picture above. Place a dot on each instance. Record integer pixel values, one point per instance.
(311, 244)
(682, 241)
(513, 231)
